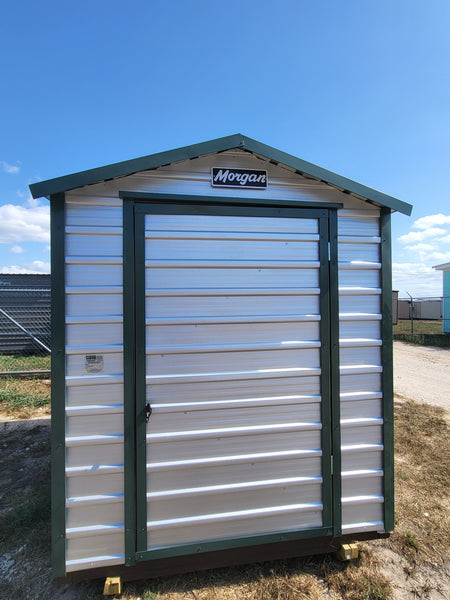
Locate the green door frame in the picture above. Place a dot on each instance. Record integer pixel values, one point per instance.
(136, 207)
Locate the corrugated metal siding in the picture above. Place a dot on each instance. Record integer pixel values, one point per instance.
(94, 424)
(25, 281)
(360, 365)
(228, 420)
(94, 326)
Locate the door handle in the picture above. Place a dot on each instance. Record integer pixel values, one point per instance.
(148, 412)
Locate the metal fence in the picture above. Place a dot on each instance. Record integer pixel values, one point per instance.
(25, 331)
(427, 308)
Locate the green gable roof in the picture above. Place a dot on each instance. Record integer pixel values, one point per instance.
(153, 161)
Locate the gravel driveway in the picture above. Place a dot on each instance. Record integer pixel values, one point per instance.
(422, 373)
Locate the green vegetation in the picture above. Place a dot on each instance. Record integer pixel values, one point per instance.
(13, 363)
(19, 397)
(426, 333)
(410, 540)
(419, 326)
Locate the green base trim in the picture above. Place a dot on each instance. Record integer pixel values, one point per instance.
(214, 546)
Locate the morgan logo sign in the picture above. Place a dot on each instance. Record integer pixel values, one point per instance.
(245, 178)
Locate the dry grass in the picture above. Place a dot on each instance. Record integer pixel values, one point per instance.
(313, 579)
(361, 579)
(24, 398)
(422, 445)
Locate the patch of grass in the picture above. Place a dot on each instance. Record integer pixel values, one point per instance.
(312, 578)
(23, 362)
(419, 326)
(411, 541)
(360, 579)
(19, 397)
(360, 587)
(422, 447)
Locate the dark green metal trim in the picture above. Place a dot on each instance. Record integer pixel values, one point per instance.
(129, 384)
(388, 375)
(153, 161)
(141, 387)
(228, 206)
(233, 543)
(217, 200)
(307, 168)
(335, 375)
(325, 392)
(135, 165)
(135, 343)
(204, 208)
(58, 360)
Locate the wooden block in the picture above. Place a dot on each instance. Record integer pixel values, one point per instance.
(347, 552)
(113, 586)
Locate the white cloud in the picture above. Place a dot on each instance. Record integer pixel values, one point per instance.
(431, 221)
(11, 169)
(436, 257)
(32, 202)
(412, 269)
(36, 266)
(418, 279)
(19, 224)
(17, 249)
(40, 266)
(27, 198)
(419, 236)
(425, 245)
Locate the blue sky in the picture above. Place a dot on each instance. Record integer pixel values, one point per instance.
(360, 88)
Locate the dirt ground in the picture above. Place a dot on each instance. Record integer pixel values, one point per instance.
(421, 374)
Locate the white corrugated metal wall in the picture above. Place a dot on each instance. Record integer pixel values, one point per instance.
(94, 424)
(233, 333)
(360, 367)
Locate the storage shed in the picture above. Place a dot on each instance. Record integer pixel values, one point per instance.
(222, 363)
(445, 268)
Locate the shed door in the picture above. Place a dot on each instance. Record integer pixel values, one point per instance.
(231, 308)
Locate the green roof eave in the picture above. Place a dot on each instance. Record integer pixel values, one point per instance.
(153, 161)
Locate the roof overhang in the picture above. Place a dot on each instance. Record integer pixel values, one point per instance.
(154, 161)
(444, 267)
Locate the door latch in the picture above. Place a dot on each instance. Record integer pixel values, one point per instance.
(148, 412)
